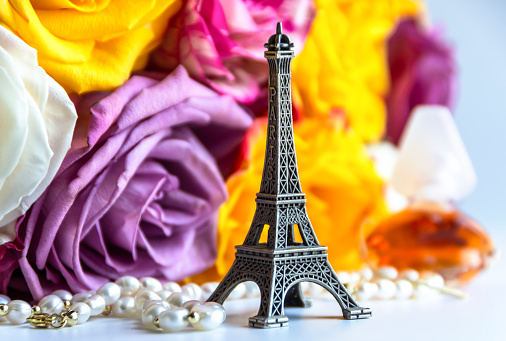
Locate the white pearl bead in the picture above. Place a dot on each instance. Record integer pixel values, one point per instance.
(173, 320)
(51, 304)
(386, 289)
(124, 307)
(19, 311)
(4, 300)
(63, 294)
(354, 277)
(80, 297)
(210, 316)
(150, 283)
(111, 292)
(409, 274)
(164, 294)
(367, 274)
(96, 303)
(129, 285)
(404, 289)
(192, 290)
(387, 272)
(149, 315)
(432, 278)
(143, 296)
(367, 290)
(188, 305)
(423, 292)
(83, 310)
(177, 299)
(344, 277)
(148, 304)
(238, 292)
(252, 289)
(172, 287)
(209, 288)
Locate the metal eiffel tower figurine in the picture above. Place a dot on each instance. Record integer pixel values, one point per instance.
(279, 265)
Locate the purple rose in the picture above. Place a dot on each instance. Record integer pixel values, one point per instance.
(220, 42)
(137, 194)
(422, 71)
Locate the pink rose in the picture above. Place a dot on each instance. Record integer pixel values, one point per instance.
(221, 42)
(422, 71)
(137, 194)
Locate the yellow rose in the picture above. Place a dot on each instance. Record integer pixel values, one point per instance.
(341, 186)
(89, 45)
(342, 67)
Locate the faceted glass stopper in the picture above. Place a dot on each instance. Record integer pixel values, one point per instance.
(436, 239)
(433, 162)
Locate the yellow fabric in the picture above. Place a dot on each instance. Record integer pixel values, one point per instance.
(89, 45)
(341, 187)
(342, 67)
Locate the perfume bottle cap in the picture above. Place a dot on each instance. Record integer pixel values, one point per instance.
(433, 163)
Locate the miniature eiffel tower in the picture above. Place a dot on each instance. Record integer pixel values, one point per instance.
(279, 265)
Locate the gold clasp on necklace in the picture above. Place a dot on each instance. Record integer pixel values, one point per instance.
(43, 320)
(38, 320)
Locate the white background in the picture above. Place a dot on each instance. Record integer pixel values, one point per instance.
(477, 29)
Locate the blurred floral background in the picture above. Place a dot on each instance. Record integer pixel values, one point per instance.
(132, 134)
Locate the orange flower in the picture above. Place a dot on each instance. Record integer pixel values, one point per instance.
(341, 186)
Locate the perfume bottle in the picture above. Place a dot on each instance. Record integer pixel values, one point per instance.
(434, 172)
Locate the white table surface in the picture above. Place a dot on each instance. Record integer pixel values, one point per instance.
(480, 317)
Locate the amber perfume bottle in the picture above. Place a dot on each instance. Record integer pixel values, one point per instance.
(430, 236)
(433, 171)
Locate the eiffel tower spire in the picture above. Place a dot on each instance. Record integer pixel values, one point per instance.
(280, 168)
(280, 201)
(280, 265)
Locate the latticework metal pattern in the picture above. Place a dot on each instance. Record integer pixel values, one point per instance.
(276, 273)
(279, 265)
(280, 174)
(282, 217)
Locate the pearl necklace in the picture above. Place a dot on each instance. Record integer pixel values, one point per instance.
(166, 307)
(171, 308)
(385, 283)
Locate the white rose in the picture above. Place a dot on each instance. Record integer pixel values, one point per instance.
(37, 120)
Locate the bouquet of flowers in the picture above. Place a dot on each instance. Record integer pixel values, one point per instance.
(131, 133)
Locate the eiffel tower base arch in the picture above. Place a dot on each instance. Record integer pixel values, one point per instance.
(278, 274)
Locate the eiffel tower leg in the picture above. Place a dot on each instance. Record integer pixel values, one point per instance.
(295, 298)
(271, 312)
(351, 309)
(226, 286)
